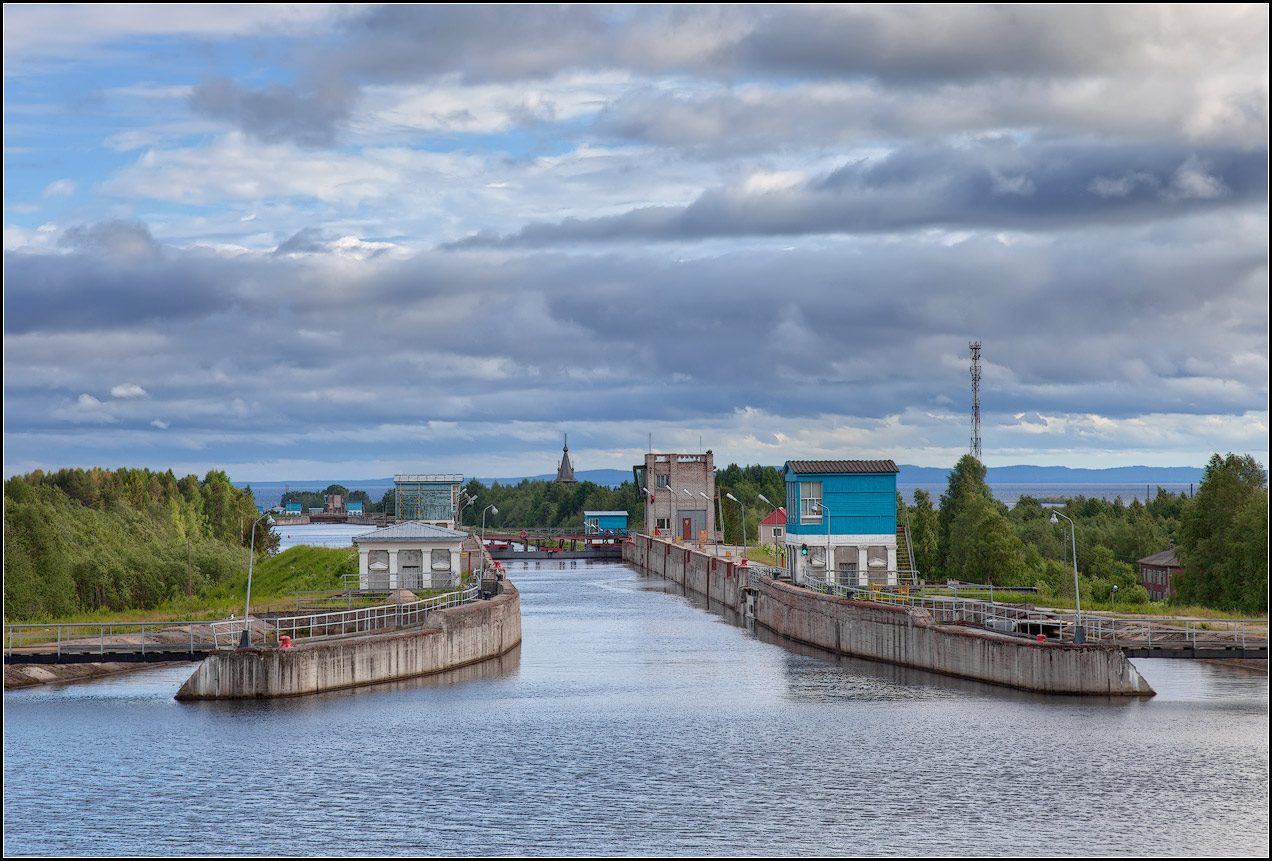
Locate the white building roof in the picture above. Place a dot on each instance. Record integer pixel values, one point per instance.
(412, 531)
(447, 478)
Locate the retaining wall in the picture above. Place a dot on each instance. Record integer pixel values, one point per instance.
(897, 635)
(449, 639)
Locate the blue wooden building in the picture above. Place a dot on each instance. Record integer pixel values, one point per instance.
(601, 522)
(353, 508)
(294, 509)
(843, 513)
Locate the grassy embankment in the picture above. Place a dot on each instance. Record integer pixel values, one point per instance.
(274, 582)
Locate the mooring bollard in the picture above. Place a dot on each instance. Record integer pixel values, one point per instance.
(284, 642)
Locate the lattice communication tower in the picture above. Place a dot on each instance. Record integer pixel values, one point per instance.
(976, 375)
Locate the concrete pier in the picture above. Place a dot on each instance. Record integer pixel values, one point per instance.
(894, 634)
(451, 638)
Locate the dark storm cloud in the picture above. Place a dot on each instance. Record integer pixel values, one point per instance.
(870, 327)
(278, 112)
(993, 184)
(923, 43)
(408, 42)
(902, 48)
(304, 241)
(116, 275)
(111, 240)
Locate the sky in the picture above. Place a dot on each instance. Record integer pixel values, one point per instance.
(306, 242)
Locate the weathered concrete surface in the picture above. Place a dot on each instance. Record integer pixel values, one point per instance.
(897, 635)
(452, 638)
(908, 636)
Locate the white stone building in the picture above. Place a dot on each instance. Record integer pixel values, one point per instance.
(410, 555)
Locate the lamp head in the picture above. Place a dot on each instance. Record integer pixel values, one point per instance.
(734, 498)
(763, 497)
(1054, 519)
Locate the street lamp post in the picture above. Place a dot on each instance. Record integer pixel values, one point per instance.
(671, 511)
(826, 513)
(760, 534)
(1079, 633)
(743, 507)
(490, 507)
(688, 493)
(464, 501)
(246, 639)
(716, 546)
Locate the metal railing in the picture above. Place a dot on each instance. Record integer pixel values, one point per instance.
(377, 618)
(155, 636)
(1100, 629)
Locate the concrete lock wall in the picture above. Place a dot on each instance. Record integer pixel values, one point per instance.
(449, 639)
(896, 635)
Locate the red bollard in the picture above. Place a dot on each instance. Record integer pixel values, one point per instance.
(284, 642)
(1042, 638)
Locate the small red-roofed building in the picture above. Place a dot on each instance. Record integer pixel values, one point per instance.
(773, 527)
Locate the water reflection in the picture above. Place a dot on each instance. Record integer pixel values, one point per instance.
(637, 720)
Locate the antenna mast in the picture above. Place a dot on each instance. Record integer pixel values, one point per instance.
(976, 375)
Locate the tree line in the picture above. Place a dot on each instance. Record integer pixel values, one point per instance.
(78, 540)
(317, 499)
(1219, 536)
(548, 504)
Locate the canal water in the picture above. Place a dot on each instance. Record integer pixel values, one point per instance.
(633, 720)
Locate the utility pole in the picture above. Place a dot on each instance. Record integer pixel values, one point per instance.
(189, 570)
(976, 376)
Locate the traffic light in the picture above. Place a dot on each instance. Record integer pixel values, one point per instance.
(803, 550)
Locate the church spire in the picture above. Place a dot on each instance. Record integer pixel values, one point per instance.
(565, 472)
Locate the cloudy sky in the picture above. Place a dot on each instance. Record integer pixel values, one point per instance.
(301, 242)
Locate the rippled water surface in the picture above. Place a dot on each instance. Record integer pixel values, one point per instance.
(634, 721)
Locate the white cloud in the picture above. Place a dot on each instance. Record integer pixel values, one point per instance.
(1192, 181)
(59, 188)
(128, 390)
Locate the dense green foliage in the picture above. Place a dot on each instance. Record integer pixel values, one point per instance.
(746, 484)
(80, 540)
(547, 504)
(1221, 535)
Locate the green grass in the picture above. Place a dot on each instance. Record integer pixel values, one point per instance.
(274, 582)
(761, 555)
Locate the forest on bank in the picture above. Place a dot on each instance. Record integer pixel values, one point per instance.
(80, 540)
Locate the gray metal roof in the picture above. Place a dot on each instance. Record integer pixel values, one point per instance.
(442, 478)
(604, 513)
(1165, 559)
(832, 467)
(412, 531)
